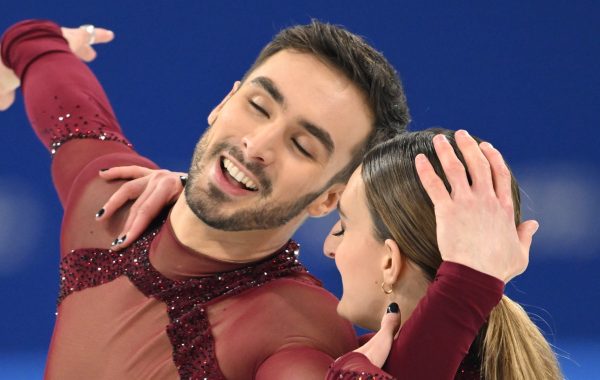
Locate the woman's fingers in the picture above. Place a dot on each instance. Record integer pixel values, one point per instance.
(525, 231)
(500, 174)
(128, 191)
(431, 182)
(125, 172)
(378, 347)
(477, 163)
(142, 213)
(453, 168)
(152, 191)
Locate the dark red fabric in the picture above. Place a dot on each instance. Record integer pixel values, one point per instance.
(111, 326)
(444, 324)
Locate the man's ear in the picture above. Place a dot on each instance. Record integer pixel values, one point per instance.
(326, 202)
(212, 117)
(392, 263)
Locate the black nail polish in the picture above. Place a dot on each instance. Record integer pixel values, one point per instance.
(393, 308)
(122, 239)
(104, 169)
(183, 179)
(100, 212)
(115, 242)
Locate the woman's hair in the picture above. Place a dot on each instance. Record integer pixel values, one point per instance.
(512, 347)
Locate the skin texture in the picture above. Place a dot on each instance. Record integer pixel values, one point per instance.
(262, 135)
(365, 263)
(78, 40)
(265, 139)
(266, 132)
(475, 223)
(475, 227)
(362, 260)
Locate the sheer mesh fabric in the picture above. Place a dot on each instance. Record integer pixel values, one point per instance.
(252, 324)
(117, 324)
(111, 329)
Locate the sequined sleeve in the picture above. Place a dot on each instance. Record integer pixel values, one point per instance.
(63, 99)
(355, 366)
(436, 338)
(434, 342)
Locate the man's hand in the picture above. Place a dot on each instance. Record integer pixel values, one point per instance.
(9, 82)
(151, 189)
(378, 347)
(475, 223)
(79, 40)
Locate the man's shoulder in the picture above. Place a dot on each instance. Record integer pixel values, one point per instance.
(299, 312)
(303, 288)
(86, 194)
(304, 303)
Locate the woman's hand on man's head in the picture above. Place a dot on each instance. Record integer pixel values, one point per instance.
(475, 222)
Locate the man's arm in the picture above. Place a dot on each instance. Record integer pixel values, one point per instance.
(72, 117)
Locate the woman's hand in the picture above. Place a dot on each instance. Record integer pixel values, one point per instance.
(378, 347)
(151, 189)
(475, 223)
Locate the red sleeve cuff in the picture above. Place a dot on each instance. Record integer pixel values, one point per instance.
(354, 366)
(483, 286)
(28, 40)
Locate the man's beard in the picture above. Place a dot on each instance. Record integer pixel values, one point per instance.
(206, 204)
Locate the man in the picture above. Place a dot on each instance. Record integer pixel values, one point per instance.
(214, 288)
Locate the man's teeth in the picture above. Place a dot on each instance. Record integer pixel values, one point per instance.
(238, 174)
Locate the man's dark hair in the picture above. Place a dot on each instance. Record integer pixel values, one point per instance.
(362, 64)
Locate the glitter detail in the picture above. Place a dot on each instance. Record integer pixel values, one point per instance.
(65, 128)
(62, 134)
(354, 375)
(189, 329)
(469, 368)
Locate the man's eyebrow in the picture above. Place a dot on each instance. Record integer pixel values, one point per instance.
(321, 134)
(269, 86)
(339, 208)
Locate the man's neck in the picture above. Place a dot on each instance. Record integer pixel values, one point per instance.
(242, 246)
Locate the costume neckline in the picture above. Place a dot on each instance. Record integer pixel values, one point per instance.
(176, 261)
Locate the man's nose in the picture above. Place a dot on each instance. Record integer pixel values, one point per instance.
(261, 144)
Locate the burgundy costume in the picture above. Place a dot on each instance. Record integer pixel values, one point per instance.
(159, 310)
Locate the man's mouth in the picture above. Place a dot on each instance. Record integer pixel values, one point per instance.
(236, 176)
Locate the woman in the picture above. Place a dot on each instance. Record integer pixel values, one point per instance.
(386, 246)
(385, 208)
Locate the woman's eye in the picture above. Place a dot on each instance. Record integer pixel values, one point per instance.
(259, 109)
(340, 232)
(301, 149)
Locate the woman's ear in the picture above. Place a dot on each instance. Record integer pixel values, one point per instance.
(212, 117)
(393, 262)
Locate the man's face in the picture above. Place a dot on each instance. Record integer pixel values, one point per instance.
(274, 143)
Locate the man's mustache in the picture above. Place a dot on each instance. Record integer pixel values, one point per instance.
(256, 169)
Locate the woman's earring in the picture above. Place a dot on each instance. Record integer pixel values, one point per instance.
(386, 291)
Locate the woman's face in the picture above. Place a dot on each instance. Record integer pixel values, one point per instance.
(359, 258)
